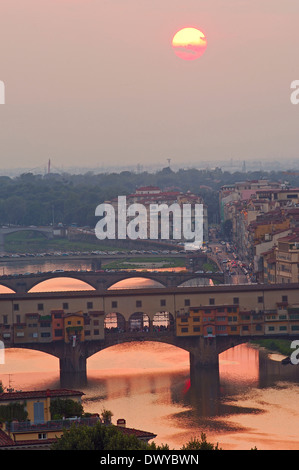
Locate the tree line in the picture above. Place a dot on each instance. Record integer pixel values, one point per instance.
(52, 198)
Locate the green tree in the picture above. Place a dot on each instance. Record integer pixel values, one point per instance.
(13, 411)
(202, 444)
(97, 437)
(67, 408)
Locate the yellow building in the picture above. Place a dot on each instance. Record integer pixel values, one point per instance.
(73, 327)
(39, 425)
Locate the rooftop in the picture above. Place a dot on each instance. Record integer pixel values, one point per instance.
(5, 396)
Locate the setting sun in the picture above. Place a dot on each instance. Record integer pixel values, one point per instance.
(189, 43)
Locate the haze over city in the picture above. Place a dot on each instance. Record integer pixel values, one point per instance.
(97, 84)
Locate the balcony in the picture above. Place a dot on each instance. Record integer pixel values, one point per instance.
(28, 426)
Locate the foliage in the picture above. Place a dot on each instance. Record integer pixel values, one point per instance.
(202, 444)
(67, 408)
(97, 437)
(282, 346)
(106, 416)
(13, 411)
(41, 199)
(1, 387)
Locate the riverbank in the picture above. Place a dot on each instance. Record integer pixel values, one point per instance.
(281, 346)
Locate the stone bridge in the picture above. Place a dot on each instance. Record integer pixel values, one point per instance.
(102, 281)
(203, 352)
(46, 231)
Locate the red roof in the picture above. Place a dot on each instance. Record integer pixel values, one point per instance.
(137, 433)
(39, 394)
(5, 440)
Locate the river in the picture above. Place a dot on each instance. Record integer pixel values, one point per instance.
(251, 402)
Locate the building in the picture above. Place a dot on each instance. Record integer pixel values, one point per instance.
(39, 431)
(152, 198)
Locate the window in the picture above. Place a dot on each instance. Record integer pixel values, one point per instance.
(284, 298)
(184, 330)
(236, 300)
(245, 328)
(69, 322)
(79, 322)
(295, 327)
(40, 306)
(114, 304)
(18, 318)
(89, 305)
(45, 335)
(184, 320)
(196, 329)
(65, 306)
(212, 301)
(187, 303)
(233, 328)
(271, 328)
(96, 322)
(87, 333)
(282, 328)
(221, 327)
(260, 299)
(162, 302)
(45, 324)
(258, 327)
(16, 307)
(196, 319)
(5, 319)
(42, 435)
(57, 332)
(96, 332)
(138, 303)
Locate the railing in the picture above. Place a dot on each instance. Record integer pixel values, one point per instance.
(23, 426)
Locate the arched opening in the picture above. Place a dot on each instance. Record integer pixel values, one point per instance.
(61, 284)
(29, 369)
(6, 290)
(114, 322)
(163, 322)
(139, 322)
(196, 282)
(136, 283)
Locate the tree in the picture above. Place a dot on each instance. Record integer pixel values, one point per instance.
(13, 411)
(97, 437)
(202, 444)
(67, 408)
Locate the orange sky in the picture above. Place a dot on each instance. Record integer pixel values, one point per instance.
(97, 82)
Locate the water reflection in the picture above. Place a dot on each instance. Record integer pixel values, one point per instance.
(251, 401)
(149, 385)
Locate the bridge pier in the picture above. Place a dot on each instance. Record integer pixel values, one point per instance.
(203, 353)
(72, 366)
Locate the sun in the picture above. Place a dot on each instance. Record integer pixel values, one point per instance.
(189, 43)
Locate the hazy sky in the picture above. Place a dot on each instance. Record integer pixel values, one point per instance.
(96, 82)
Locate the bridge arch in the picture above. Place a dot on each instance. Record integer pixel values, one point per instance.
(6, 289)
(123, 281)
(114, 322)
(194, 281)
(68, 283)
(163, 321)
(139, 322)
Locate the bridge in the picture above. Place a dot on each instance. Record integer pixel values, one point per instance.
(218, 318)
(102, 281)
(46, 231)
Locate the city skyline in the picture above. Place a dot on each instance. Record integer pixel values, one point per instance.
(97, 84)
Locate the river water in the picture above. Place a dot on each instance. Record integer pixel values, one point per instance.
(252, 401)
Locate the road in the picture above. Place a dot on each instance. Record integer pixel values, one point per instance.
(234, 272)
